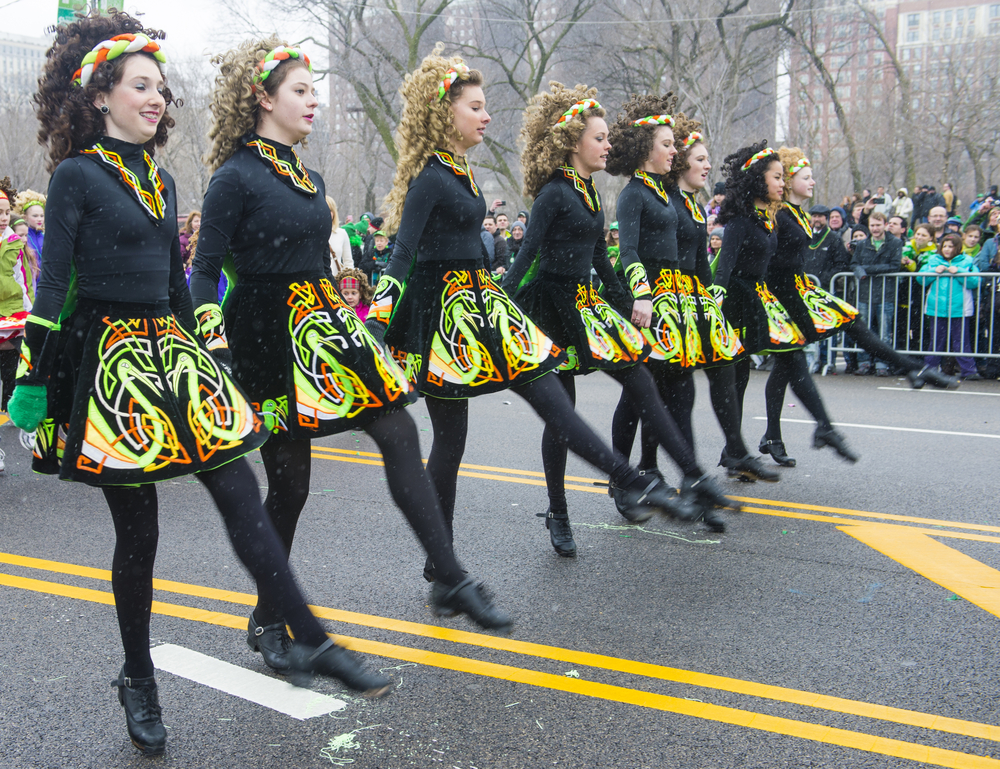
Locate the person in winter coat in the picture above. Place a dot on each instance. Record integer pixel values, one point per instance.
(341, 256)
(902, 205)
(517, 230)
(881, 253)
(946, 303)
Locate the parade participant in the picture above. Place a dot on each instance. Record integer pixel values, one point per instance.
(754, 187)
(454, 330)
(301, 353)
(565, 143)
(664, 226)
(30, 205)
(815, 311)
(122, 392)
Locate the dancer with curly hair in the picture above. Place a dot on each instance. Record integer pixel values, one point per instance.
(565, 143)
(121, 389)
(755, 184)
(302, 354)
(453, 329)
(817, 312)
(663, 226)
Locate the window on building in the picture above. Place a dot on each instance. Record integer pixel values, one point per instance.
(877, 60)
(936, 34)
(947, 33)
(947, 17)
(913, 20)
(912, 36)
(936, 17)
(994, 27)
(862, 75)
(995, 11)
(905, 55)
(959, 15)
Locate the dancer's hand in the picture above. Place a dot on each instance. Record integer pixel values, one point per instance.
(28, 406)
(642, 313)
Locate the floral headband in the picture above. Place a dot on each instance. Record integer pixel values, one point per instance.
(767, 151)
(799, 165)
(282, 53)
(461, 72)
(666, 120)
(692, 138)
(112, 49)
(577, 108)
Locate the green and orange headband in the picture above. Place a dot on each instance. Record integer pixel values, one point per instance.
(461, 72)
(666, 120)
(766, 152)
(576, 109)
(692, 138)
(280, 54)
(108, 50)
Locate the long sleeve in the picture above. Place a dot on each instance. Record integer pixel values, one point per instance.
(732, 242)
(543, 212)
(63, 214)
(416, 210)
(629, 221)
(890, 258)
(221, 215)
(609, 279)
(180, 296)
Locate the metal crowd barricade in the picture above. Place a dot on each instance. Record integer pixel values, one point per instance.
(902, 296)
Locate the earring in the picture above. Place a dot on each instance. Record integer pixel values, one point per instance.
(104, 109)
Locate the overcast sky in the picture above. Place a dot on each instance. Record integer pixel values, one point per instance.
(195, 28)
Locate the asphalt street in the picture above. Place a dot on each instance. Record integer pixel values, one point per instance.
(847, 618)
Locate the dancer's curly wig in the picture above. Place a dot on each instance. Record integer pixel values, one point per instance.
(744, 187)
(7, 187)
(789, 156)
(24, 197)
(547, 145)
(631, 144)
(364, 287)
(235, 105)
(683, 128)
(427, 123)
(69, 120)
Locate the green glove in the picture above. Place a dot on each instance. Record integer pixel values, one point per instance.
(28, 406)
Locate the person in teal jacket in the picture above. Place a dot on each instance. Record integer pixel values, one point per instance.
(949, 302)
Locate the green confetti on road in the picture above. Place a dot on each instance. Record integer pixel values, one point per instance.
(671, 534)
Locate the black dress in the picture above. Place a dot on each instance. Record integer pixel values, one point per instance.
(709, 338)
(134, 397)
(817, 312)
(760, 320)
(567, 234)
(301, 353)
(453, 330)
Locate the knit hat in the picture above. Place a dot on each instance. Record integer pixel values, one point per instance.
(717, 232)
(720, 188)
(518, 225)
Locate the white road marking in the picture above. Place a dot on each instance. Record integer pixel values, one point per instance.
(246, 684)
(935, 390)
(897, 429)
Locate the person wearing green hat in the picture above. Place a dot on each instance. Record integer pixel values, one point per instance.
(613, 247)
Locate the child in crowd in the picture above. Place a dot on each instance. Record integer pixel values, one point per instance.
(383, 252)
(946, 303)
(613, 246)
(971, 238)
(28, 263)
(356, 290)
(919, 248)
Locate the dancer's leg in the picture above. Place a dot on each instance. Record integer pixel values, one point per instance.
(623, 426)
(774, 395)
(722, 390)
(288, 465)
(554, 445)
(877, 346)
(134, 512)
(450, 420)
(742, 379)
(803, 385)
(411, 488)
(677, 393)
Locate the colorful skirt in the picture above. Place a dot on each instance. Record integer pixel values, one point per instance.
(303, 355)
(818, 313)
(759, 318)
(595, 336)
(138, 399)
(456, 334)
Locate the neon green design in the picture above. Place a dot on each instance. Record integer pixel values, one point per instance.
(637, 281)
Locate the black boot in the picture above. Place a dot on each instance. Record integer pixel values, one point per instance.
(467, 598)
(337, 662)
(725, 461)
(705, 511)
(272, 641)
(827, 436)
(429, 573)
(777, 451)
(930, 374)
(651, 473)
(750, 467)
(142, 713)
(560, 533)
(705, 490)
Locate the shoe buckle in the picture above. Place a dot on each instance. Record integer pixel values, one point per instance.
(127, 680)
(258, 631)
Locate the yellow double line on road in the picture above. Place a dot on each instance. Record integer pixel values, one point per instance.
(728, 715)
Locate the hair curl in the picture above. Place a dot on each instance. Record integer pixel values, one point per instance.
(632, 144)
(427, 124)
(69, 120)
(683, 128)
(7, 187)
(743, 188)
(235, 104)
(364, 287)
(547, 145)
(26, 196)
(789, 156)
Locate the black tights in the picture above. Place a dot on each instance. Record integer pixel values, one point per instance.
(235, 492)
(450, 419)
(644, 401)
(871, 342)
(677, 392)
(288, 465)
(8, 372)
(791, 368)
